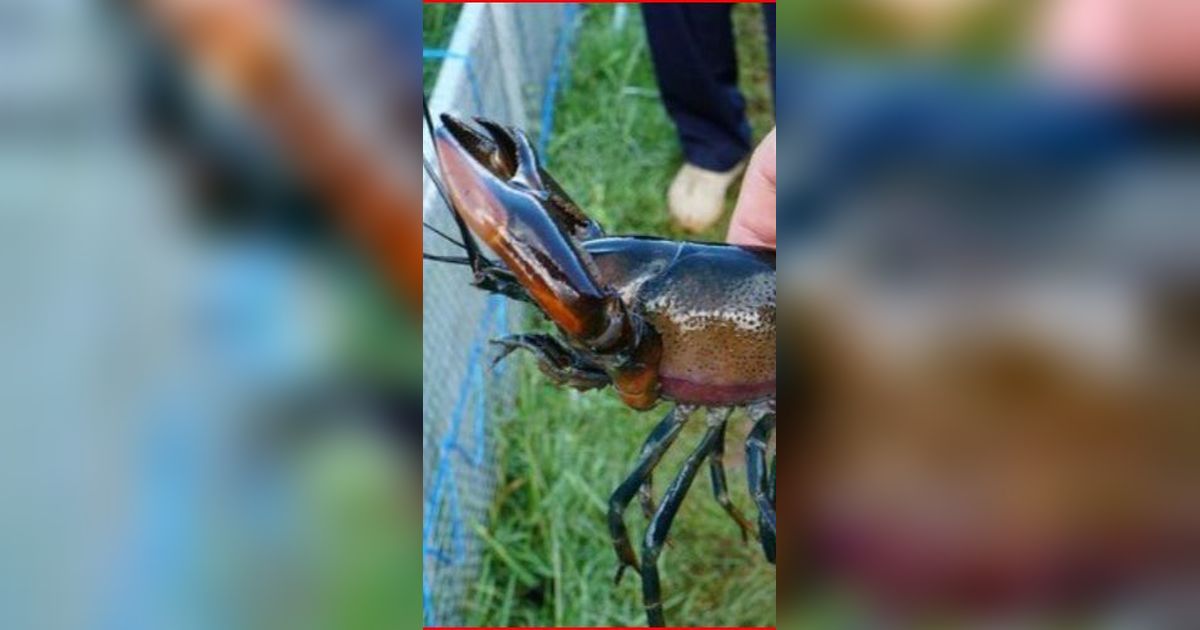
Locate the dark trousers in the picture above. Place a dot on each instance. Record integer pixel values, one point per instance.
(695, 59)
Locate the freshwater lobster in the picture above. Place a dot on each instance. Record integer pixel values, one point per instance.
(688, 322)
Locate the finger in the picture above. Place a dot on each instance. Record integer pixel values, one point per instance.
(754, 217)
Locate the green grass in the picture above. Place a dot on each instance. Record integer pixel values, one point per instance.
(437, 25)
(560, 453)
(614, 149)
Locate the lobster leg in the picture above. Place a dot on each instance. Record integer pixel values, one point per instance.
(716, 469)
(646, 500)
(646, 497)
(656, 532)
(495, 279)
(561, 364)
(760, 480)
(652, 451)
(772, 481)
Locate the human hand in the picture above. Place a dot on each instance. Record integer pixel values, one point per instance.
(754, 217)
(1148, 49)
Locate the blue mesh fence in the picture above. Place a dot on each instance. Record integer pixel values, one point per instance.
(505, 62)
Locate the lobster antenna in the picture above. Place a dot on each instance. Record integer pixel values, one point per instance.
(475, 258)
(437, 181)
(442, 234)
(428, 117)
(468, 243)
(457, 260)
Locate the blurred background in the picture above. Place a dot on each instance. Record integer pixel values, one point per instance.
(210, 376)
(989, 286)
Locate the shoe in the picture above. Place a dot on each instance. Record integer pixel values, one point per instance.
(696, 198)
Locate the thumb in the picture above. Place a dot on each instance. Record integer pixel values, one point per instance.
(753, 220)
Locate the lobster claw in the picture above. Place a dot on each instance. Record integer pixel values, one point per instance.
(498, 187)
(508, 152)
